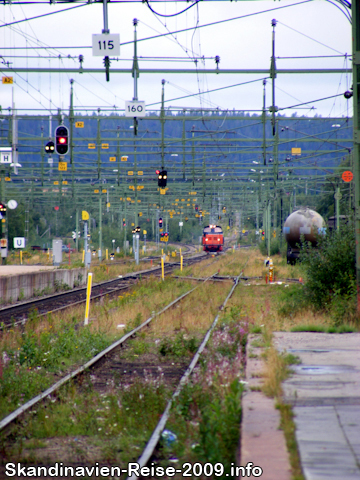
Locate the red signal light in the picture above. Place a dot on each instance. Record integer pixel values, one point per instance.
(61, 140)
(157, 172)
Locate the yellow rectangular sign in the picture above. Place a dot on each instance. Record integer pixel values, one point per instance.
(7, 80)
(91, 146)
(62, 167)
(79, 124)
(112, 159)
(130, 173)
(64, 182)
(140, 214)
(96, 190)
(7, 179)
(162, 191)
(105, 146)
(104, 190)
(296, 151)
(131, 187)
(56, 182)
(140, 172)
(124, 158)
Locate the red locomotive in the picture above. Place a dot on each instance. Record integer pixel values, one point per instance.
(213, 238)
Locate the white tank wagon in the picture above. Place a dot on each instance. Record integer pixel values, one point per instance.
(304, 222)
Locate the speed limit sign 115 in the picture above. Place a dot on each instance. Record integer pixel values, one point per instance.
(106, 44)
(135, 109)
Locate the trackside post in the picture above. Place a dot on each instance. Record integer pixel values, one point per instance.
(88, 293)
(162, 267)
(181, 263)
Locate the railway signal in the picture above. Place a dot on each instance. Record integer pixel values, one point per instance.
(162, 178)
(50, 147)
(61, 140)
(2, 209)
(160, 222)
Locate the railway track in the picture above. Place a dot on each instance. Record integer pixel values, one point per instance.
(102, 367)
(155, 436)
(19, 313)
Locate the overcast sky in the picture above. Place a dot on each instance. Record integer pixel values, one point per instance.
(314, 28)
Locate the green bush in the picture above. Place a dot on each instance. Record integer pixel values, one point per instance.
(330, 279)
(330, 270)
(274, 247)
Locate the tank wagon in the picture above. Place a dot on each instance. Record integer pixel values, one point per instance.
(304, 222)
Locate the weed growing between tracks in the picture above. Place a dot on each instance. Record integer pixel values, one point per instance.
(83, 425)
(206, 416)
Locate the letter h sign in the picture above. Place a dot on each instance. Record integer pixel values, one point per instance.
(5, 155)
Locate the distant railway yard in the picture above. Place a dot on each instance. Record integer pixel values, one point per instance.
(161, 376)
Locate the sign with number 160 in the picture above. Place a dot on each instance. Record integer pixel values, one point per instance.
(135, 109)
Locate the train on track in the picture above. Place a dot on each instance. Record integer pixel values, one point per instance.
(213, 238)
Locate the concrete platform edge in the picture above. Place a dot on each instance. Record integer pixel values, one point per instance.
(262, 442)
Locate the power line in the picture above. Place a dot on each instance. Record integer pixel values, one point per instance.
(40, 16)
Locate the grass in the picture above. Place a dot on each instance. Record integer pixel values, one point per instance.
(78, 411)
(206, 415)
(324, 329)
(109, 418)
(52, 346)
(288, 426)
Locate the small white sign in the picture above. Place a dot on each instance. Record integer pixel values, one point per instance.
(19, 242)
(12, 204)
(181, 224)
(135, 109)
(105, 44)
(6, 155)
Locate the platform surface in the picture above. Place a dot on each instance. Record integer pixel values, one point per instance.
(8, 270)
(325, 393)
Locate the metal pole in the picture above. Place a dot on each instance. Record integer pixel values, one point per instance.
(162, 121)
(137, 248)
(77, 231)
(98, 139)
(71, 145)
(356, 126)
(263, 118)
(135, 73)
(106, 29)
(273, 108)
(183, 145)
(337, 204)
(268, 229)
